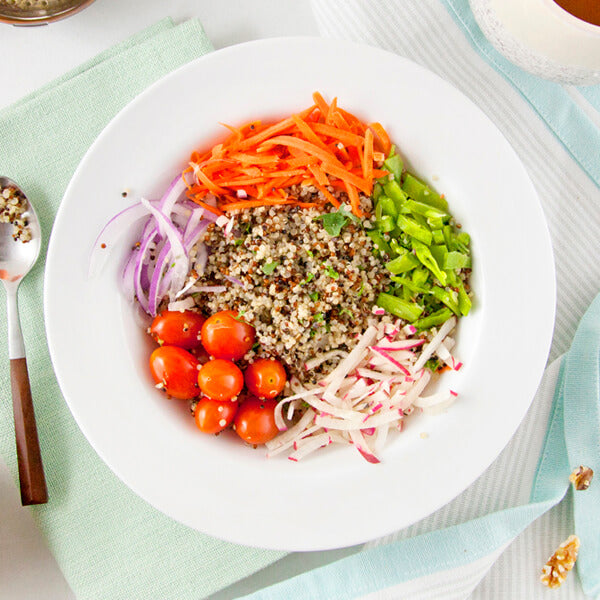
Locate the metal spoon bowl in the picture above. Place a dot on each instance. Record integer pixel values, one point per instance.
(17, 257)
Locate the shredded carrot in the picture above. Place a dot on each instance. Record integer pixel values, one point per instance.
(367, 162)
(265, 133)
(346, 137)
(206, 206)
(319, 174)
(253, 204)
(322, 146)
(354, 200)
(320, 102)
(307, 132)
(382, 135)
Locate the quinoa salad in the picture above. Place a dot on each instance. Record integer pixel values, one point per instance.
(302, 286)
(13, 206)
(304, 291)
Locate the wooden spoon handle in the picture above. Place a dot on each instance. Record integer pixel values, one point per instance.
(31, 470)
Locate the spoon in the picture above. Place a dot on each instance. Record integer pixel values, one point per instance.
(16, 259)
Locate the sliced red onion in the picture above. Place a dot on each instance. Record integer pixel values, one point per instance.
(173, 193)
(159, 267)
(111, 233)
(201, 259)
(178, 264)
(211, 200)
(234, 280)
(182, 305)
(194, 219)
(141, 270)
(194, 236)
(127, 287)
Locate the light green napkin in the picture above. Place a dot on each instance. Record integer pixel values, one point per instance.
(108, 542)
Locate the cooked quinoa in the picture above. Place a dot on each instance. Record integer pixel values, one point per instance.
(304, 291)
(13, 206)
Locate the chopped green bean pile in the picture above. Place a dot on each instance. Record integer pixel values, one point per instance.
(427, 255)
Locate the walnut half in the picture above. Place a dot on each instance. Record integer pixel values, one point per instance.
(560, 563)
(581, 478)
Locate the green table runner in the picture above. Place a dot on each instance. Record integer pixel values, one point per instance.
(108, 542)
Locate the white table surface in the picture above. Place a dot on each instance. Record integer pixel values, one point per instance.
(30, 57)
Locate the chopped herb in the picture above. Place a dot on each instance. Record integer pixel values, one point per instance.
(318, 317)
(361, 289)
(333, 222)
(238, 242)
(314, 296)
(332, 272)
(348, 312)
(310, 254)
(308, 279)
(433, 364)
(269, 267)
(347, 210)
(256, 346)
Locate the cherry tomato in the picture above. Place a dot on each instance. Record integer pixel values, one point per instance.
(176, 328)
(212, 416)
(177, 370)
(200, 354)
(265, 378)
(255, 420)
(220, 379)
(225, 335)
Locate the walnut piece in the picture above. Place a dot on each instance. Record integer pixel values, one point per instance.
(560, 563)
(581, 478)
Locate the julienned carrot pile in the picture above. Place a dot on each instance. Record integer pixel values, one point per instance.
(323, 146)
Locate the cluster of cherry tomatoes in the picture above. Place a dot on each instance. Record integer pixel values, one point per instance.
(197, 357)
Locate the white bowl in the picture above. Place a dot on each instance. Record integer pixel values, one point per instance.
(334, 498)
(542, 38)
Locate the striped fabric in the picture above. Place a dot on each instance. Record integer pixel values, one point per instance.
(429, 32)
